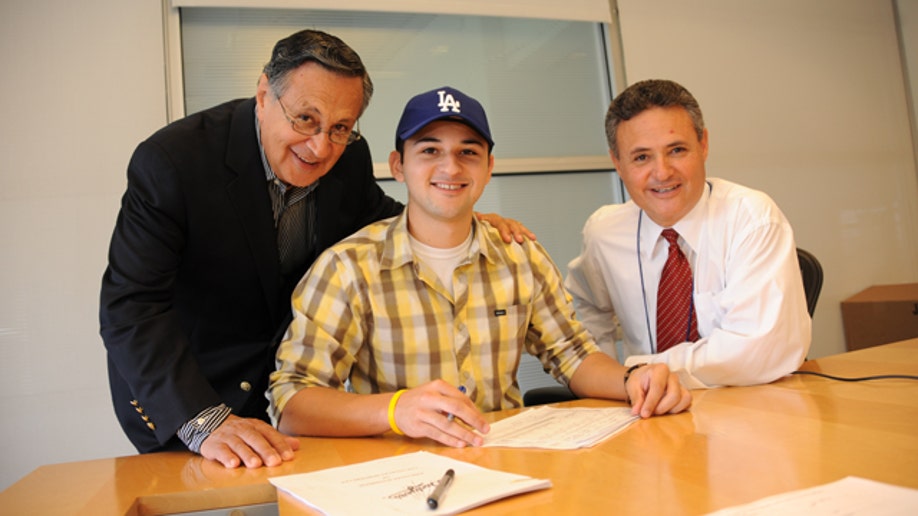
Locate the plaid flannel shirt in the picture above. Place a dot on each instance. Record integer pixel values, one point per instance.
(367, 312)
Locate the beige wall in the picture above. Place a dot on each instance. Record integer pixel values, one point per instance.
(82, 84)
(804, 99)
(907, 11)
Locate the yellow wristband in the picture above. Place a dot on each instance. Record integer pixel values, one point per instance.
(392, 424)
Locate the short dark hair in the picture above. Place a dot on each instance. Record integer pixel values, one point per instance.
(644, 95)
(318, 47)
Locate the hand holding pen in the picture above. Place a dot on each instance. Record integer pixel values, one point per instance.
(426, 410)
(450, 416)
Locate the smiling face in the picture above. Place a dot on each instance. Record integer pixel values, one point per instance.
(445, 166)
(661, 162)
(311, 91)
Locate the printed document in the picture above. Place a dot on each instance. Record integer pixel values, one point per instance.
(850, 495)
(401, 485)
(559, 428)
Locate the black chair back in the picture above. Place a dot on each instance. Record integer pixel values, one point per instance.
(811, 271)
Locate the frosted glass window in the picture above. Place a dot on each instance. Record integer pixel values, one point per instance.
(544, 83)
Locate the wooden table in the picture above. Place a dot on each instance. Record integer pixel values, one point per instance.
(735, 446)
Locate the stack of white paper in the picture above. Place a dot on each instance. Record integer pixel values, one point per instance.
(401, 484)
(559, 428)
(848, 496)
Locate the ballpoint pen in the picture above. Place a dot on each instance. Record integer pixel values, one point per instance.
(433, 501)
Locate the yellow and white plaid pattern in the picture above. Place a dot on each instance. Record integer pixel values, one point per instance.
(368, 312)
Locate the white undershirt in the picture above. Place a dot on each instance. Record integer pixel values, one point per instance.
(442, 261)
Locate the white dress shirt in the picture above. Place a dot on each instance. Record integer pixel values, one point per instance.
(748, 292)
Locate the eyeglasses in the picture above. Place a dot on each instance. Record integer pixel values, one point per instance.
(309, 126)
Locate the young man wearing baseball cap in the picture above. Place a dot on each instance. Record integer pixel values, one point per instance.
(425, 315)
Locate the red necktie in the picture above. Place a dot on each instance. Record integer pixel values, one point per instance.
(676, 321)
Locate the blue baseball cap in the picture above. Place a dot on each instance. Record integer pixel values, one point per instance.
(444, 103)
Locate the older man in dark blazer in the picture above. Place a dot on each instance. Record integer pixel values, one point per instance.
(196, 292)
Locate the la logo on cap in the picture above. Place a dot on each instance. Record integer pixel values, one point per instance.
(447, 102)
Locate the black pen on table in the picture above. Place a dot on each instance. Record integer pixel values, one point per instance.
(434, 499)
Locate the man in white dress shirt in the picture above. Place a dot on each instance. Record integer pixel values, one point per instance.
(748, 301)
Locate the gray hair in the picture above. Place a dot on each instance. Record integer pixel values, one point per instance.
(645, 95)
(318, 47)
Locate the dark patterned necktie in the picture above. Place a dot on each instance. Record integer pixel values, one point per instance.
(291, 231)
(676, 321)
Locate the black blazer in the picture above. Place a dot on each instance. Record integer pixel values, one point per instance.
(193, 302)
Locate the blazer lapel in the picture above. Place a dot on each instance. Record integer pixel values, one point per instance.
(247, 190)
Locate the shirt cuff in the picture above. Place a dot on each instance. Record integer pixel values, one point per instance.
(200, 427)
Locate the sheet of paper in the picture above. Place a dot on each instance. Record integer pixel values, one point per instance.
(401, 484)
(559, 428)
(850, 495)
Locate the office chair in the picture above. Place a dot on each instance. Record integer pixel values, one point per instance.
(811, 272)
(543, 395)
